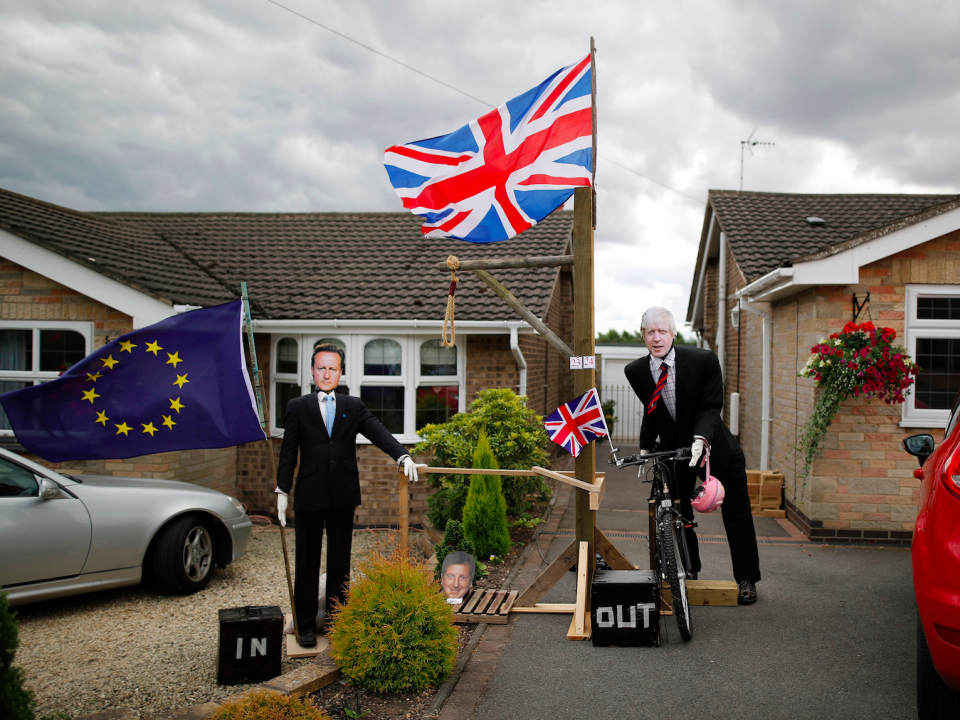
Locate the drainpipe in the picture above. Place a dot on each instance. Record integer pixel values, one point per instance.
(765, 420)
(518, 356)
(722, 306)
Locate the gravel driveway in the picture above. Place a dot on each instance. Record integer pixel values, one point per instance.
(135, 648)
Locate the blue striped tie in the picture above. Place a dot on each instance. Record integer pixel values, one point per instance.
(655, 398)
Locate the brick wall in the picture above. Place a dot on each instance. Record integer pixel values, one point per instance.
(862, 487)
(26, 295)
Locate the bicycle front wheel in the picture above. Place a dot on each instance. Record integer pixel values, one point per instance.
(676, 575)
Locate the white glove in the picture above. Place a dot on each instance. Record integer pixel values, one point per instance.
(282, 508)
(410, 468)
(696, 450)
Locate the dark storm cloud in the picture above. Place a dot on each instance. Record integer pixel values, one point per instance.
(227, 105)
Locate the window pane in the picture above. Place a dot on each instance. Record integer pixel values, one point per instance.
(59, 349)
(436, 404)
(435, 359)
(939, 378)
(17, 482)
(381, 357)
(386, 404)
(16, 350)
(288, 352)
(285, 393)
(938, 308)
(6, 387)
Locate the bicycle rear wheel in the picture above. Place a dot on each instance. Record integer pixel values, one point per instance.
(676, 575)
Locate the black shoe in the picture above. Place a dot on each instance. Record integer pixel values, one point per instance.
(746, 593)
(692, 575)
(308, 639)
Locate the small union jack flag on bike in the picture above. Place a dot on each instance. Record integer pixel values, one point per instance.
(577, 423)
(506, 171)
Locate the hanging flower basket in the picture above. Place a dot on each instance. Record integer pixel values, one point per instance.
(860, 361)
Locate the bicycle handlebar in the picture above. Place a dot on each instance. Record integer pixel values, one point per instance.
(682, 453)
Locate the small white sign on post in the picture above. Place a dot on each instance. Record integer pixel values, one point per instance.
(576, 363)
(589, 361)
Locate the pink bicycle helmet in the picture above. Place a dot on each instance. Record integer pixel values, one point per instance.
(708, 496)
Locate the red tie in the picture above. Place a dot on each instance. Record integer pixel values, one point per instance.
(659, 389)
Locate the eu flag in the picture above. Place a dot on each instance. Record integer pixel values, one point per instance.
(180, 384)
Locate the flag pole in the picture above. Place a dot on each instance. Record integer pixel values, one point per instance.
(258, 389)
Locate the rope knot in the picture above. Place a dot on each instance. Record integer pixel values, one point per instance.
(454, 264)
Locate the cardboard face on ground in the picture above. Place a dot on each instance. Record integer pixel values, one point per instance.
(456, 577)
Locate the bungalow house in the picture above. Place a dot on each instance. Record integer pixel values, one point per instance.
(775, 274)
(70, 281)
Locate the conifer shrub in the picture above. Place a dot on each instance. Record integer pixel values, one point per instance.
(16, 700)
(516, 437)
(264, 705)
(485, 511)
(395, 632)
(454, 540)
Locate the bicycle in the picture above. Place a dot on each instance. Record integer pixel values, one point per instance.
(669, 554)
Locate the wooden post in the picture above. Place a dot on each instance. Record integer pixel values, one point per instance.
(584, 333)
(403, 491)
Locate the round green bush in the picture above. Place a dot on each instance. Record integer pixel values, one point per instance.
(16, 701)
(395, 634)
(517, 439)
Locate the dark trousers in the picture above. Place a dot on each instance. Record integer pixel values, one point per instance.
(737, 518)
(310, 525)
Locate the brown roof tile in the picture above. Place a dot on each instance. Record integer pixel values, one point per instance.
(770, 230)
(305, 266)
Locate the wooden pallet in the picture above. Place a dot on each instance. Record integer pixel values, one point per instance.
(765, 493)
(485, 606)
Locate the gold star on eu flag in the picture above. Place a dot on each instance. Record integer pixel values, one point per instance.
(110, 362)
(181, 381)
(123, 428)
(90, 395)
(174, 359)
(176, 405)
(127, 346)
(94, 378)
(154, 347)
(102, 418)
(168, 421)
(149, 428)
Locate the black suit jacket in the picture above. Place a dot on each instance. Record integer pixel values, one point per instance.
(699, 406)
(328, 475)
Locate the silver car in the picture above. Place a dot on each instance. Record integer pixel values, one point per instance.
(64, 535)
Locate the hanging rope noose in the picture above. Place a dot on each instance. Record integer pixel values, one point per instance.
(454, 264)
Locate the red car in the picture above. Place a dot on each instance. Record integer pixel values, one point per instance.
(936, 571)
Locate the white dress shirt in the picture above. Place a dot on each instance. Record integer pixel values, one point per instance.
(669, 393)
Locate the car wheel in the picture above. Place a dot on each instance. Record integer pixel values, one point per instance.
(183, 556)
(935, 701)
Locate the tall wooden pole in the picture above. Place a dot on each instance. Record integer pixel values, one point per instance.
(583, 337)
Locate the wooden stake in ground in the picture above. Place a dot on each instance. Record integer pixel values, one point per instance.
(258, 387)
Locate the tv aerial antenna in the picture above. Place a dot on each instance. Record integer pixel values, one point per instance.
(749, 144)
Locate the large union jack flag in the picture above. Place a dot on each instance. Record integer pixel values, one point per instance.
(576, 423)
(503, 173)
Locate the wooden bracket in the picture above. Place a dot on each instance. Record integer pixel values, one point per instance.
(548, 578)
(518, 307)
(509, 263)
(580, 624)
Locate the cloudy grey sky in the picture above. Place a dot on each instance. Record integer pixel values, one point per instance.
(241, 105)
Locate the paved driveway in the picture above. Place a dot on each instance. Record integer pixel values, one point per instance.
(832, 636)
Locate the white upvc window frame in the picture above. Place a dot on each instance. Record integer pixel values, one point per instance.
(911, 416)
(35, 375)
(440, 380)
(353, 377)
